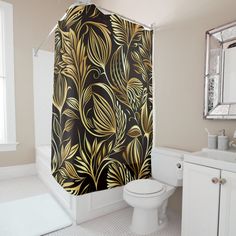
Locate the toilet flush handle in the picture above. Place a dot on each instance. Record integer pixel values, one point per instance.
(179, 165)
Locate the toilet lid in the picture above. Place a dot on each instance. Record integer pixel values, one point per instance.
(144, 186)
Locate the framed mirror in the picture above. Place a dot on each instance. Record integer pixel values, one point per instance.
(220, 73)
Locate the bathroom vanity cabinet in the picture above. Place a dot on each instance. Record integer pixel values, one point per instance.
(209, 194)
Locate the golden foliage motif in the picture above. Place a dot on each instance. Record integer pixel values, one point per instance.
(102, 101)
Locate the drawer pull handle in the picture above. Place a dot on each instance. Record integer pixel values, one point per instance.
(215, 180)
(222, 181)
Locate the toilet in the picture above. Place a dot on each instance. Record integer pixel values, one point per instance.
(149, 197)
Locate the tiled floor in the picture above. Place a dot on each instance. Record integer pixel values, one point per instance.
(115, 224)
(14, 189)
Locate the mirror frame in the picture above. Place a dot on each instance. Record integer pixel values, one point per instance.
(214, 107)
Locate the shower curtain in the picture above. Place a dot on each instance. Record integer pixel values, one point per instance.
(102, 101)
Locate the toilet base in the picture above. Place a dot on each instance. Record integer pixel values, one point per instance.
(145, 221)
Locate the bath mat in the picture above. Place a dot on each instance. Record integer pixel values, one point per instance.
(32, 216)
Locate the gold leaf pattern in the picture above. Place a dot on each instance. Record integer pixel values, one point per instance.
(102, 101)
(118, 175)
(125, 32)
(134, 92)
(146, 119)
(134, 131)
(133, 156)
(99, 49)
(60, 92)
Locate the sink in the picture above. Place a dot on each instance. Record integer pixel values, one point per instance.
(225, 160)
(229, 156)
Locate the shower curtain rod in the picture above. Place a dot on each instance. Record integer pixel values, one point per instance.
(100, 8)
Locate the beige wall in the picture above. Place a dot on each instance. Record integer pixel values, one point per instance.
(33, 19)
(179, 66)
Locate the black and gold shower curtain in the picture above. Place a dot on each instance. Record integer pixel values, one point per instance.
(102, 101)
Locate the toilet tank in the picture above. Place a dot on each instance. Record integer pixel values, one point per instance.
(167, 165)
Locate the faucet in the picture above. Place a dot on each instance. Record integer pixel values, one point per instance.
(233, 142)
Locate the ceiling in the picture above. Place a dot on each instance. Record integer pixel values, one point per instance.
(168, 11)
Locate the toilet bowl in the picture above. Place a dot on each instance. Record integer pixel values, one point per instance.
(149, 197)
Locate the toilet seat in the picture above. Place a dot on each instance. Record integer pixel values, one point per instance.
(145, 188)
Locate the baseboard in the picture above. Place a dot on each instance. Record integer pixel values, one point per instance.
(11, 172)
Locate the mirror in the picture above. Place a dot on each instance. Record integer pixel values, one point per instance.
(220, 74)
(229, 92)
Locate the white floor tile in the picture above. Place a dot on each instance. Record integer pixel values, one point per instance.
(14, 189)
(117, 224)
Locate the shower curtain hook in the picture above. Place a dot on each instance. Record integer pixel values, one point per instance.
(35, 52)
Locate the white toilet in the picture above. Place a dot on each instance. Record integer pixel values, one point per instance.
(149, 197)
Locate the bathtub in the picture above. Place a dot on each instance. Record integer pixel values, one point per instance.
(81, 208)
